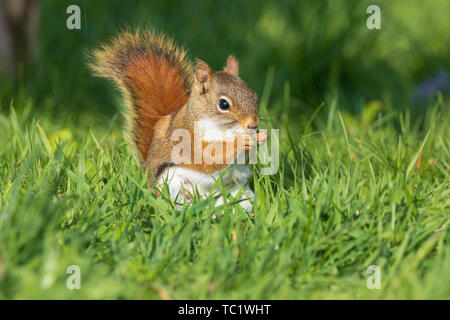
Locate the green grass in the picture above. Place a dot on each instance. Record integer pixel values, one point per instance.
(348, 195)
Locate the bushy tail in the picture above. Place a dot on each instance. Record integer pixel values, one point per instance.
(153, 75)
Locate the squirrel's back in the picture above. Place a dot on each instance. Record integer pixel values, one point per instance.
(153, 75)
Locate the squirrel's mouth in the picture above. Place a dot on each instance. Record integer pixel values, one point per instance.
(236, 130)
(235, 127)
(214, 130)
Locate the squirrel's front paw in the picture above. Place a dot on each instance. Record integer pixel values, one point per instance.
(261, 137)
(244, 142)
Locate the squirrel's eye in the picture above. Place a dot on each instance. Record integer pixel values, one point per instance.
(223, 105)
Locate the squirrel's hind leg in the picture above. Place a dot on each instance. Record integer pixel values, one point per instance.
(183, 183)
(246, 197)
(180, 189)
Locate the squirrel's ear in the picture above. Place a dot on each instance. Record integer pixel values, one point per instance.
(203, 77)
(203, 72)
(232, 66)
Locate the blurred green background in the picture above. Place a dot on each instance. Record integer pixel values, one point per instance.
(310, 50)
(363, 178)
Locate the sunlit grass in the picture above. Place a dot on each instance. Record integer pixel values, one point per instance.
(348, 195)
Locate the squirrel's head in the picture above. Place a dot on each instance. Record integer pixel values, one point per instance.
(223, 97)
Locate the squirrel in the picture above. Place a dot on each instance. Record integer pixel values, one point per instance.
(162, 94)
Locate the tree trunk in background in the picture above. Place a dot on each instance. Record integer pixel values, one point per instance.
(19, 31)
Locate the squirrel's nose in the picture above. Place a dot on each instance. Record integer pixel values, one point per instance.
(253, 123)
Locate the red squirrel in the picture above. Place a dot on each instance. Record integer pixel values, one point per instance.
(162, 94)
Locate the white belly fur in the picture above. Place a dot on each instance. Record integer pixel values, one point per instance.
(233, 178)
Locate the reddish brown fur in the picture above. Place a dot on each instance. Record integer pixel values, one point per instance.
(153, 98)
(152, 74)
